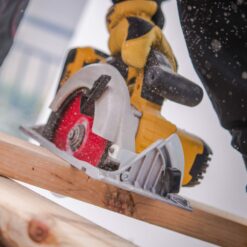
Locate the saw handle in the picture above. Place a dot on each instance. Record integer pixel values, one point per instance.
(161, 82)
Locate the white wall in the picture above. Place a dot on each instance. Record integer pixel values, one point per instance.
(224, 183)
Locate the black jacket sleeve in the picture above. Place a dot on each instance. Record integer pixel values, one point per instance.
(216, 37)
(11, 12)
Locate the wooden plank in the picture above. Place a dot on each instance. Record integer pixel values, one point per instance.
(35, 165)
(27, 219)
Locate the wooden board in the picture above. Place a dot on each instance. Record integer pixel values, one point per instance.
(37, 166)
(27, 219)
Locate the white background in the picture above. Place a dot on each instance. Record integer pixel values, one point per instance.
(225, 181)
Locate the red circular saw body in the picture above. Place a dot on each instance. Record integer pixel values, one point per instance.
(91, 147)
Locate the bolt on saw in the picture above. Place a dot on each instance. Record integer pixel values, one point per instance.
(106, 116)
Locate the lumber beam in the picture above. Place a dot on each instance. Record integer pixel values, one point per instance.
(37, 166)
(27, 219)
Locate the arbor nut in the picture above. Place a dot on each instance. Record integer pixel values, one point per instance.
(76, 136)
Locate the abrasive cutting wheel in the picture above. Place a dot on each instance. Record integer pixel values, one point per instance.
(71, 131)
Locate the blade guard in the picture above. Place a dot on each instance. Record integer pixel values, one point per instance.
(114, 117)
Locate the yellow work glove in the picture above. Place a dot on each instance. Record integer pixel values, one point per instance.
(133, 33)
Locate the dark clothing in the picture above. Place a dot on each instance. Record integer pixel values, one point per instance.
(216, 37)
(11, 12)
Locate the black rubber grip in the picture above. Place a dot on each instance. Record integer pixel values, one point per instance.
(164, 83)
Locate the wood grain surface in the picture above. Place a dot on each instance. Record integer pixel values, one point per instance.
(29, 220)
(37, 166)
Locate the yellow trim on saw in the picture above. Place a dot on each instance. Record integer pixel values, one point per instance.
(85, 55)
(153, 126)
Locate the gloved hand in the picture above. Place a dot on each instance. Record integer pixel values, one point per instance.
(135, 28)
